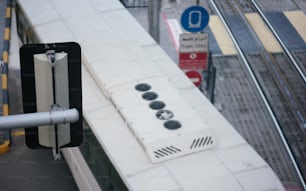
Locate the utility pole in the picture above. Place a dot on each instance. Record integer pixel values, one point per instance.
(154, 7)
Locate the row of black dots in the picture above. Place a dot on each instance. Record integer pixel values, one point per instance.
(162, 114)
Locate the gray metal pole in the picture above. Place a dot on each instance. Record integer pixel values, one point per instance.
(153, 18)
(38, 119)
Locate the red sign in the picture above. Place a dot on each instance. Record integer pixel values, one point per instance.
(195, 77)
(193, 51)
(193, 60)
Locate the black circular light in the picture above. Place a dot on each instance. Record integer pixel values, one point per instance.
(142, 87)
(157, 105)
(149, 96)
(164, 114)
(172, 125)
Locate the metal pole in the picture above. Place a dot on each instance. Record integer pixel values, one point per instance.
(38, 119)
(212, 82)
(153, 18)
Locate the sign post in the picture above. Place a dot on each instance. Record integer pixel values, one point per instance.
(194, 19)
(195, 77)
(193, 51)
(193, 54)
(51, 81)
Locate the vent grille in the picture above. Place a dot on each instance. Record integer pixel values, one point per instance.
(201, 142)
(166, 151)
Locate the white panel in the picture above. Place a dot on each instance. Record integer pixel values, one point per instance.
(259, 179)
(116, 63)
(122, 20)
(45, 96)
(99, 29)
(151, 180)
(61, 80)
(201, 172)
(40, 13)
(55, 31)
(62, 94)
(168, 67)
(107, 5)
(232, 159)
(80, 8)
(112, 66)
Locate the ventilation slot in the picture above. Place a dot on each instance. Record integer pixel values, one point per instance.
(201, 142)
(166, 151)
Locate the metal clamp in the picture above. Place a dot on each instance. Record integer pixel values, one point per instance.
(51, 54)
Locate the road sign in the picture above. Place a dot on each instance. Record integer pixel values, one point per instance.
(193, 61)
(194, 19)
(195, 77)
(193, 53)
(51, 75)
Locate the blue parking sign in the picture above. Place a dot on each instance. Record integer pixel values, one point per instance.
(194, 19)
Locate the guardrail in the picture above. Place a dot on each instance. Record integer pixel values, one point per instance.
(5, 134)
